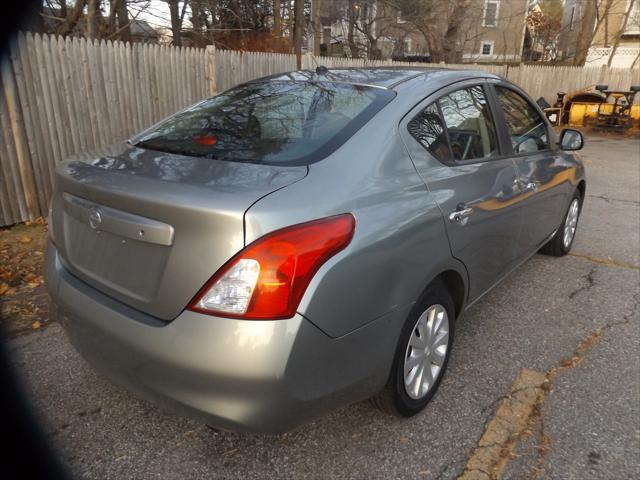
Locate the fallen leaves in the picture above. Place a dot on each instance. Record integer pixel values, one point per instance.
(6, 290)
(32, 280)
(37, 221)
(23, 300)
(21, 258)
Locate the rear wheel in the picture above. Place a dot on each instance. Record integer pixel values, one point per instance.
(562, 241)
(422, 354)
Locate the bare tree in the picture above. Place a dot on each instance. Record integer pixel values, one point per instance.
(71, 17)
(452, 46)
(594, 14)
(298, 30)
(623, 27)
(316, 6)
(375, 20)
(586, 32)
(431, 19)
(277, 18)
(93, 18)
(177, 18)
(124, 27)
(544, 24)
(352, 19)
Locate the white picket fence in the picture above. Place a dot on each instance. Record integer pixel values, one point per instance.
(60, 97)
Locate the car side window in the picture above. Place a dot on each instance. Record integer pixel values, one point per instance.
(428, 129)
(470, 127)
(527, 129)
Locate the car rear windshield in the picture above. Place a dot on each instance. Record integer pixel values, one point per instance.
(275, 122)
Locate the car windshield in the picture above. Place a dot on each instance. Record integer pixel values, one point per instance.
(276, 122)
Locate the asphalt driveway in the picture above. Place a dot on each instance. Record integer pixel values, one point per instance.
(574, 322)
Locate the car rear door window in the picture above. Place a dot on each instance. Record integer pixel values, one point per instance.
(470, 127)
(527, 129)
(428, 129)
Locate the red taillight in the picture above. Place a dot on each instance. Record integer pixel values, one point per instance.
(207, 140)
(267, 279)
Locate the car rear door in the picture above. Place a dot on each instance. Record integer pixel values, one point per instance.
(454, 143)
(543, 176)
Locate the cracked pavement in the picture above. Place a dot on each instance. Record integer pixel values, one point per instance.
(574, 319)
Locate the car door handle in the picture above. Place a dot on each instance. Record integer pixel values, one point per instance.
(460, 215)
(527, 186)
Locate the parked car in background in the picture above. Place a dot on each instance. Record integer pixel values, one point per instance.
(306, 240)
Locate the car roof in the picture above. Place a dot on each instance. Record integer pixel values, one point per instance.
(385, 77)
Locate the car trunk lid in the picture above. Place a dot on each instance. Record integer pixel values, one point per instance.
(150, 228)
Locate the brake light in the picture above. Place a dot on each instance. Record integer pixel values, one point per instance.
(267, 279)
(207, 140)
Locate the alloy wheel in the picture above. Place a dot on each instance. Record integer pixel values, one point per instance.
(426, 351)
(571, 223)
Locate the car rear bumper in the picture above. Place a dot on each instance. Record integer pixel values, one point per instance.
(260, 376)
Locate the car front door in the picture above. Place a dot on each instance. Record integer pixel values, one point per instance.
(543, 176)
(453, 141)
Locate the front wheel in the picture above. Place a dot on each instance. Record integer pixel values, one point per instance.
(562, 241)
(422, 354)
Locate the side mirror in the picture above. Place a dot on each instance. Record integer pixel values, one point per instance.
(571, 140)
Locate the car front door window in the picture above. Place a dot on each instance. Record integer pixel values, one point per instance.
(527, 129)
(543, 190)
(457, 127)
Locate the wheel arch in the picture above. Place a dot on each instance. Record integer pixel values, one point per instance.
(456, 286)
(454, 277)
(582, 188)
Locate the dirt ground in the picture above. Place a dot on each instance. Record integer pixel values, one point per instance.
(23, 297)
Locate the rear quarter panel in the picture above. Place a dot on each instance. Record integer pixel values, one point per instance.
(399, 243)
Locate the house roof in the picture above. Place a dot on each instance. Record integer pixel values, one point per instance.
(142, 28)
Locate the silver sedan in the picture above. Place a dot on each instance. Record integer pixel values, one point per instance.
(306, 240)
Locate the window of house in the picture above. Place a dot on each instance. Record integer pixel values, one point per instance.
(490, 17)
(527, 129)
(487, 48)
(633, 21)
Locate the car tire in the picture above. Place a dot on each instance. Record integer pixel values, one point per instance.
(396, 397)
(558, 246)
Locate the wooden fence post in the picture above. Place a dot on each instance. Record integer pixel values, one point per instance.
(309, 61)
(18, 132)
(603, 73)
(211, 68)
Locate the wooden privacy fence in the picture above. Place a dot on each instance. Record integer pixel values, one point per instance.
(60, 97)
